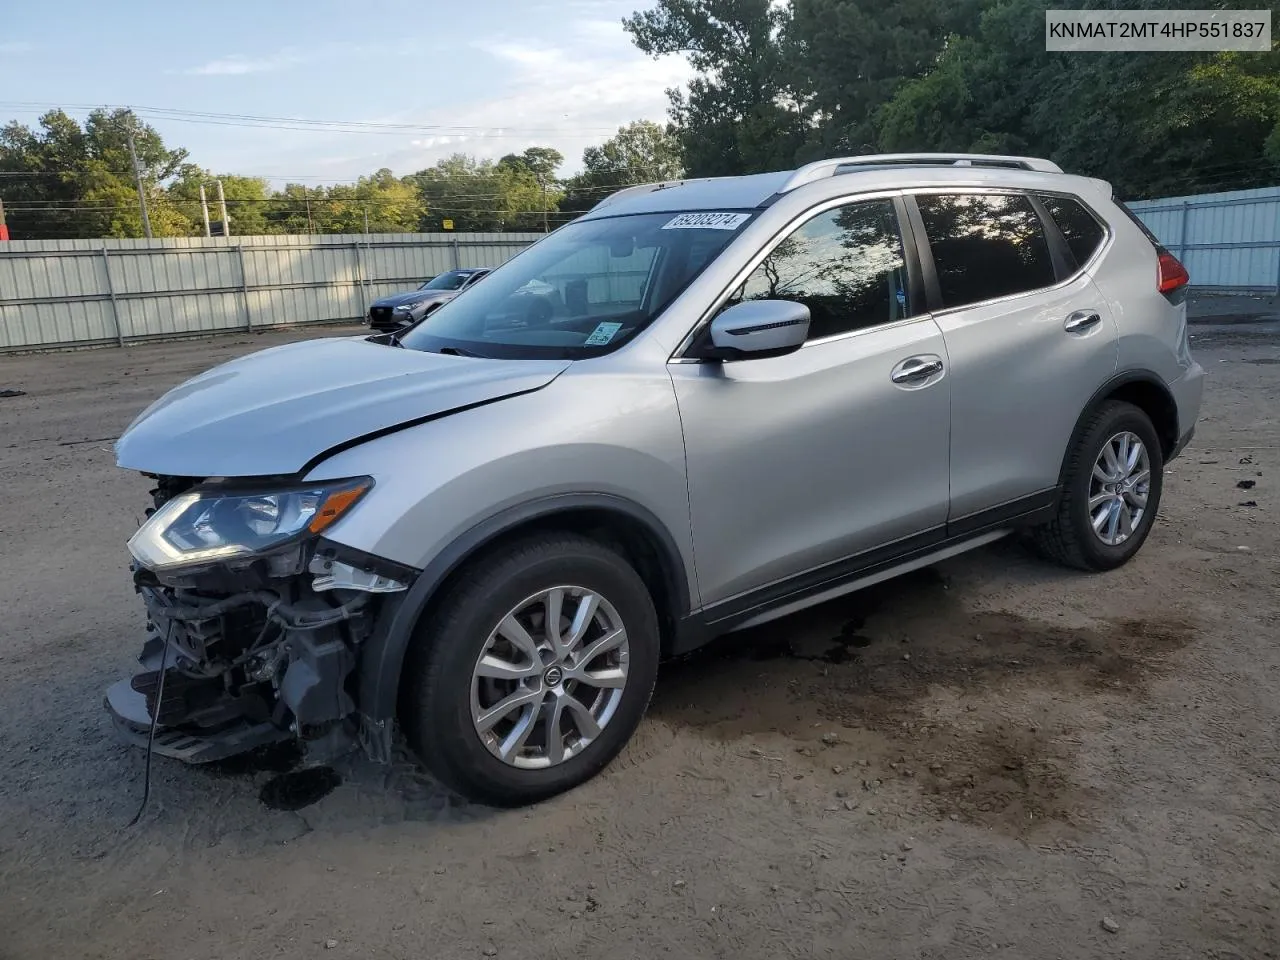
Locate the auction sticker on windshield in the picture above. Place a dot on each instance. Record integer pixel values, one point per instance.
(706, 221)
(602, 334)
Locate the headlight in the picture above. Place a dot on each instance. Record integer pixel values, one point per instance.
(404, 308)
(201, 526)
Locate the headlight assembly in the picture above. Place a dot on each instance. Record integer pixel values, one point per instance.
(210, 525)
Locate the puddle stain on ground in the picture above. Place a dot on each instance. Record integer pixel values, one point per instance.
(908, 683)
(301, 788)
(289, 787)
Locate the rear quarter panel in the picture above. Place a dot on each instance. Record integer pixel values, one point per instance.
(1152, 331)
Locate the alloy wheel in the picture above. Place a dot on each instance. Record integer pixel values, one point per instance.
(1118, 488)
(550, 677)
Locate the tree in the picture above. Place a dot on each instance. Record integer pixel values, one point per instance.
(247, 199)
(640, 152)
(1153, 124)
(740, 115)
(542, 162)
(79, 182)
(480, 195)
(851, 56)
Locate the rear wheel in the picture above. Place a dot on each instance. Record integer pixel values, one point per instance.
(533, 672)
(1110, 490)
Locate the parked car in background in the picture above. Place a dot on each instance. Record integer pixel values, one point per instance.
(401, 309)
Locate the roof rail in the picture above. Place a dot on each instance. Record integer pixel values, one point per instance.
(830, 168)
(650, 188)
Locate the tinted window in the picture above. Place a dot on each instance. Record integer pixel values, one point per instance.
(1079, 228)
(985, 246)
(845, 265)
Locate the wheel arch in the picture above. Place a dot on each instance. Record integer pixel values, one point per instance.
(627, 526)
(1146, 391)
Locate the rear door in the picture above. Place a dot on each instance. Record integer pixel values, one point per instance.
(1028, 336)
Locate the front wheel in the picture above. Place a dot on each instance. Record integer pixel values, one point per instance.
(534, 670)
(1111, 489)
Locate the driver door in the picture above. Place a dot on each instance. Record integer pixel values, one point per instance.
(802, 468)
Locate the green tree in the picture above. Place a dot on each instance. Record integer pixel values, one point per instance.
(483, 196)
(640, 152)
(848, 57)
(740, 114)
(391, 205)
(1153, 124)
(246, 197)
(78, 181)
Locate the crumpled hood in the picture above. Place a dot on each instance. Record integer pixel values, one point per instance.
(272, 412)
(415, 296)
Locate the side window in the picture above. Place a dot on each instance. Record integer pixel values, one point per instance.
(1083, 233)
(985, 246)
(845, 265)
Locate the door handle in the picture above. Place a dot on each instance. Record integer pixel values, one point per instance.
(1081, 320)
(916, 369)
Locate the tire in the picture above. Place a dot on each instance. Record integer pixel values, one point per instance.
(1069, 538)
(443, 700)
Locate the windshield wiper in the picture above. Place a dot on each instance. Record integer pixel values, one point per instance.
(459, 352)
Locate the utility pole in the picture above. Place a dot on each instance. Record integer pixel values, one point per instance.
(366, 221)
(142, 194)
(204, 208)
(222, 206)
(310, 226)
(543, 180)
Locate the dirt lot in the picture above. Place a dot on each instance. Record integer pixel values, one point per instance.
(984, 760)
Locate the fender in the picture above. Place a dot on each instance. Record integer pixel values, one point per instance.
(382, 656)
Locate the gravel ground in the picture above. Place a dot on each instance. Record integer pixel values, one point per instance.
(992, 758)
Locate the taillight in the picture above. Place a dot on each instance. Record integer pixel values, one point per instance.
(1172, 274)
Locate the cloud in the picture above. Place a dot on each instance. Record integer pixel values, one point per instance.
(569, 94)
(235, 64)
(568, 91)
(15, 47)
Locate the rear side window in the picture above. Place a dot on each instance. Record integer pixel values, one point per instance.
(1083, 233)
(985, 246)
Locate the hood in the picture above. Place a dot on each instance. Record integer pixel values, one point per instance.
(414, 296)
(272, 412)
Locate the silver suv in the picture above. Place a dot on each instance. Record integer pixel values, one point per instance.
(700, 407)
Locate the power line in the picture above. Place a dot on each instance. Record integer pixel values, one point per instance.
(304, 123)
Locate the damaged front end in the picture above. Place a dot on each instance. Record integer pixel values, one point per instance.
(255, 621)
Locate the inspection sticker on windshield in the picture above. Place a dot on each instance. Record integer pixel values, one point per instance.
(707, 221)
(602, 334)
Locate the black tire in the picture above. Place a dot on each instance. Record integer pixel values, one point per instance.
(436, 699)
(1069, 538)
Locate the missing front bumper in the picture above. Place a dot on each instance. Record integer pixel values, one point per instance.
(129, 715)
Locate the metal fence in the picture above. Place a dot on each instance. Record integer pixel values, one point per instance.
(85, 292)
(1227, 241)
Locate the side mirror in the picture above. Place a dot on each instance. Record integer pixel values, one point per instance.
(755, 329)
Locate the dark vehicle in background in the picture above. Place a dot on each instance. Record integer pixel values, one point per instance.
(401, 309)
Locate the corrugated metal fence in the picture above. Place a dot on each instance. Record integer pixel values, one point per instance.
(82, 292)
(1227, 241)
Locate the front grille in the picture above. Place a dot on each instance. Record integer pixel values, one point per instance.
(379, 315)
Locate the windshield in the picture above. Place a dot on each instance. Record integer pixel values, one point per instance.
(453, 280)
(583, 291)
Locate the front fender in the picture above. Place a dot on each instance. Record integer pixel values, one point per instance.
(444, 488)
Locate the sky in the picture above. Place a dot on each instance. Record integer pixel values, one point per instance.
(485, 77)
